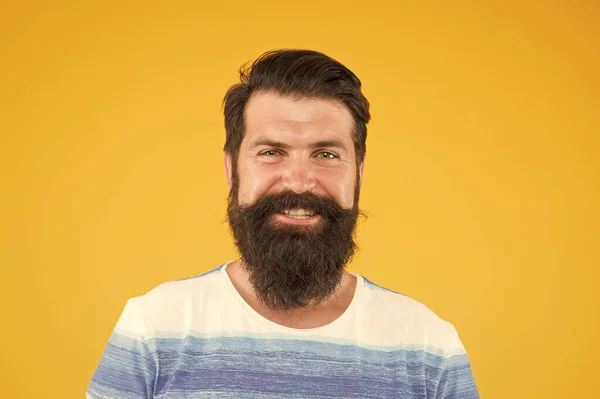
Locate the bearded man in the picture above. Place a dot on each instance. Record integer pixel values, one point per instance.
(286, 320)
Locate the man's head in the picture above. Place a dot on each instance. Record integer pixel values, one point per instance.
(294, 159)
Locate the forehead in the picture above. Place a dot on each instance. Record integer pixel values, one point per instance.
(271, 113)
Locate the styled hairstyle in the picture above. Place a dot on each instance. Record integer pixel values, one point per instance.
(296, 74)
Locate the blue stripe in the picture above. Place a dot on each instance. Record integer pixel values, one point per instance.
(215, 270)
(245, 367)
(371, 285)
(272, 337)
(126, 370)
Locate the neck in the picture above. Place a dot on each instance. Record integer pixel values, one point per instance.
(311, 316)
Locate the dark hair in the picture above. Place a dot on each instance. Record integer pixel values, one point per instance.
(298, 74)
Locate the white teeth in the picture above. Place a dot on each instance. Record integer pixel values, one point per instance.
(299, 216)
(298, 213)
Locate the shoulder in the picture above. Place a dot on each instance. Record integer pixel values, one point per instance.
(405, 321)
(166, 307)
(183, 290)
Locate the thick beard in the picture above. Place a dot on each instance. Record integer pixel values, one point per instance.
(293, 266)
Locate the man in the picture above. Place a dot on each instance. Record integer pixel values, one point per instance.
(286, 320)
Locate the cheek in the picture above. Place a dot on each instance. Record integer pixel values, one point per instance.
(254, 182)
(340, 186)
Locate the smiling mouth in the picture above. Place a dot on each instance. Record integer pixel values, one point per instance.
(298, 213)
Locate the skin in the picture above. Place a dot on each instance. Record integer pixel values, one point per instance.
(298, 145)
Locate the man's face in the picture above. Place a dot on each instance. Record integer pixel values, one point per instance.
(298, 145)
(293, 204)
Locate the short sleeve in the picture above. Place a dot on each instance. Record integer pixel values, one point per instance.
(127, 369)
(456, 377)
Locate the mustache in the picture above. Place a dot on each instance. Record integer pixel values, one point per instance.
(268, 204)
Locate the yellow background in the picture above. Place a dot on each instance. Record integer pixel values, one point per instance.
(481, 179)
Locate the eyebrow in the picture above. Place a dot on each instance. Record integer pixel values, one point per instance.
(319, 144)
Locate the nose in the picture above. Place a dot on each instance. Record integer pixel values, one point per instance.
(298, 176)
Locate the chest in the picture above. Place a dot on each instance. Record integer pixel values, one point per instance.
(238, 367)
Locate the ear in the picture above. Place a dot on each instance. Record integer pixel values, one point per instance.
(228, 169)
(361, 171)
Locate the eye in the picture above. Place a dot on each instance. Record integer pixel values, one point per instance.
(327, 155)
(270, 153)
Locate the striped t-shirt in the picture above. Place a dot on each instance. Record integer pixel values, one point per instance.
(198, 338)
